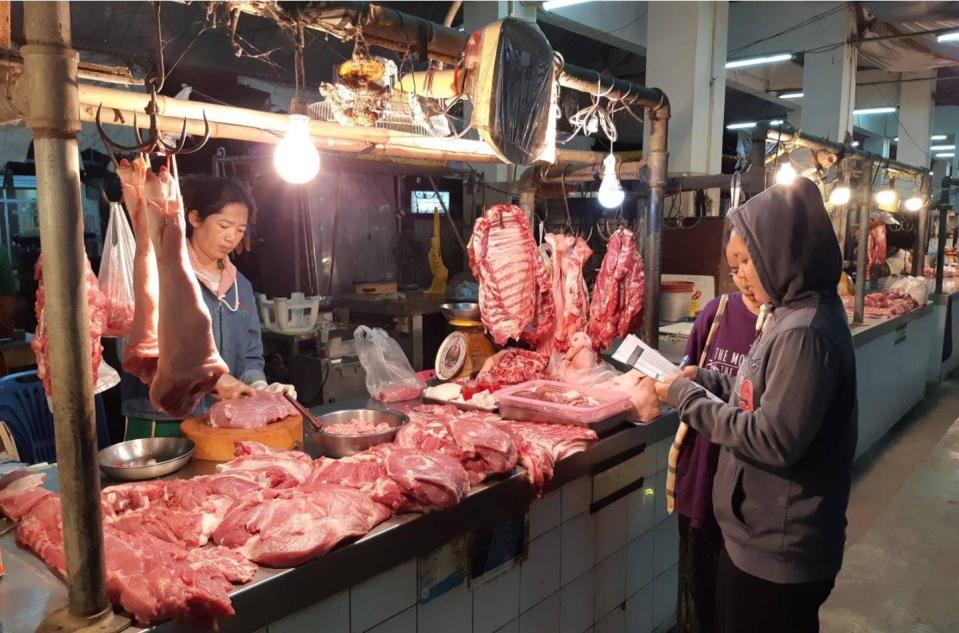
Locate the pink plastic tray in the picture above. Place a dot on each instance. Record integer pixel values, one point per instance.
(611, 408)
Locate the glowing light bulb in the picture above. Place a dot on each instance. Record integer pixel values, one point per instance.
(887, 199)
(611, 193)
(913, 204)
(786, 174)
(295, 157)
(840, 196)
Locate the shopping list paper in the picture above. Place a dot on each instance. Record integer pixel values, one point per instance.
(649, 362)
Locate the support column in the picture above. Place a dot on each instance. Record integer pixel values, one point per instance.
(686, 59)
(829, 81)
(915, 119)
(878, 145)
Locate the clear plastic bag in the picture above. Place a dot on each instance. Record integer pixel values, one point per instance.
(389, 375)
(116, 273)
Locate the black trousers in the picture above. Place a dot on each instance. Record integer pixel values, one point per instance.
(699, 550)
(747, 604)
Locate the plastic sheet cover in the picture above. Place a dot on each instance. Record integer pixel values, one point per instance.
(512, 90)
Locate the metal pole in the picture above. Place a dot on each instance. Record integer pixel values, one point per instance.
(50, 66)
(650, 243)
(865, 203)
(922, 232)
(943, 207)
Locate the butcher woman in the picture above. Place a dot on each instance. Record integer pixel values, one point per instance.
(217, 213)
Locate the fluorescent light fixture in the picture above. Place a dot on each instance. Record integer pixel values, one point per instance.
(741, 126)
(938, 137)
(895, 140)
(776, 122)
(951, 36)
(758, 61)
(552, 5)
(880, 110)
(855, 143)
(941, 148)
(791, 95)
(946, 155)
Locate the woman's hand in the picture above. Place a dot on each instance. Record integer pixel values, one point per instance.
(647, 404)
(230, 388)
(662, 387)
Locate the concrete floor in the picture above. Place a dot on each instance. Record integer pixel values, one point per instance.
(902, 554)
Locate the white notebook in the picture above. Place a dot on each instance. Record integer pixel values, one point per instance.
(634, 352)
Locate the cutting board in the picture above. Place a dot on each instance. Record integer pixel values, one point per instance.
(216, 444)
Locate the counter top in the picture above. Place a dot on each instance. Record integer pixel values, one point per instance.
(29, 590)
(873, 329)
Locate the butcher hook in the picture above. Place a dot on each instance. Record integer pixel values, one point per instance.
(154, 143)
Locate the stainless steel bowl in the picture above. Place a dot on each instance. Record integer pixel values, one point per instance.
(335, 445)
(146, 458)
(461, 311)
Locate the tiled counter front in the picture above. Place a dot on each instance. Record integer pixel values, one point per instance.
(609, 570)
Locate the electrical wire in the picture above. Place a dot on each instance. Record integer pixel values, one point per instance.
(790, 29)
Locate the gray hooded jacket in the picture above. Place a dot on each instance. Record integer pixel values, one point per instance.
(788, 434)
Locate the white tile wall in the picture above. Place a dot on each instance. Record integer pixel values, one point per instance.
(381, 597)
(662, 453)
(452, 611)
(510, 627)
(576, 497)
(647, 462)
(578, 546)
(613, 622)
(332, 613)
(611, 528)
(659, 486)
(641, 509)
(542, 618)
(576, 604)
(496, 602)
(639, 563)
(545, 513)
(539, 573)
(403, 622)
(665, 545)
(639, 611)
(664, 597)
(610, 584)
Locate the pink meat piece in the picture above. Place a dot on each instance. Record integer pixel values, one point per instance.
(96, 304)
(570, 296)
(189, 364)
(364, 471)
(233, 565)
(21, 493)
(39, 532)
(513, 366)
(618, 293)
(399, 392)
(492, 448)
(427, 432)
(514, 291)
(876, 247)
(252, 412)
(142, 349)
(284, 528)
(541, 446)
(275, 468)
(431, 481)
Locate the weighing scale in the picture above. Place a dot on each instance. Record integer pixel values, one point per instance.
(464, 351)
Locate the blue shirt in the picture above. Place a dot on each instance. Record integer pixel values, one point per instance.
(237, 338)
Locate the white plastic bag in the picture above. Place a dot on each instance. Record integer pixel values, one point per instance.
(389, 376)
(918, 288)
(116, 273)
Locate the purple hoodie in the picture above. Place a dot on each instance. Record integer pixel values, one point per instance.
(698, 456)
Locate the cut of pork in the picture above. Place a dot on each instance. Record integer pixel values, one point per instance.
(568, 255)
(271, 467)
(512, 366)
(364, 471)
(285, 528)
(618, 293)
(252, 412)
(189, 364)
(541, 446)
(430, 481)
(21, 492)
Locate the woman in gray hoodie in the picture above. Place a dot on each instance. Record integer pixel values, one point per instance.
(788, 432)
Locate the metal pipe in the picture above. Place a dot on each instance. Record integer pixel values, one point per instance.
(650, 243)
(922, 233)
(865, 203)
(943, 206)
(50, 66)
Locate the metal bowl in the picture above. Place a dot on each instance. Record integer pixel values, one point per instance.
(146, 458)
(335, 445)
(461, 311)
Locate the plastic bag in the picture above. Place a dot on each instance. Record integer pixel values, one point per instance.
(389, 376)
(116, 273)
(918, 288)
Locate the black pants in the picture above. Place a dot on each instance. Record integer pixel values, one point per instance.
(699, 550)
(747, 604)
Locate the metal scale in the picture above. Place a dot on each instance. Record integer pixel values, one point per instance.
(464, 351)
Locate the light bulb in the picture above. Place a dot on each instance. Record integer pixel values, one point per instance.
(786, 174)
(913, 204)
(295, 157)
(611, 193)
(887, 199)
(839, 196)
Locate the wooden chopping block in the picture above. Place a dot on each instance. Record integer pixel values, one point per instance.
(216, 444)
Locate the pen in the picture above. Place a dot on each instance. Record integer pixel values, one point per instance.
(684, 362)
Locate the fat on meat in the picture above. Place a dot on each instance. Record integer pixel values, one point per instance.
(253, 412)
(285, 528)
(617, 301)
(568, 255)
(541, 446)
(142, 349)
(364, 471)
(512, 366)
(430, 481)
(273, 468)
(189, 364)
(515, 297)
(21, 492)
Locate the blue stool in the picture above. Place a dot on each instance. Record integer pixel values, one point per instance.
(23, 407)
